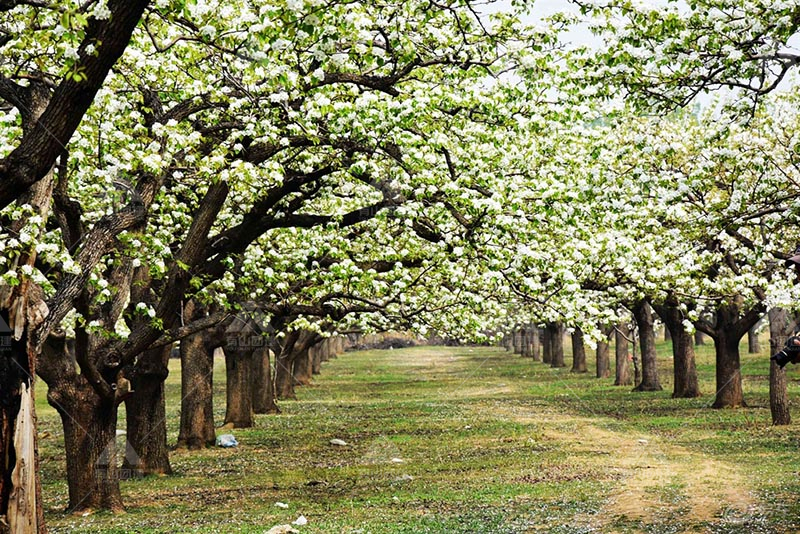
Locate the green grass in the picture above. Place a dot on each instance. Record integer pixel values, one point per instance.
(490, 442)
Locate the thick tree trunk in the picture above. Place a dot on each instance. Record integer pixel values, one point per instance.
(146, 448)
(517, 341)
(578, 352)
(753, 346)
(284, 381)
(263, 384)
(647, 342)
(602, 363)
(239, 385)
(90, 444)
(547, 345)
(197, 392)
(729, 376)
(90, 432)
(557, 342)
(781, 326)
(684, 367)
(622, 356)
(301, 368)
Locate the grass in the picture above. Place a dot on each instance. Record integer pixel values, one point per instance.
(489, 443)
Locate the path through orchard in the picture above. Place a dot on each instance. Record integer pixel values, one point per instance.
(464, 440)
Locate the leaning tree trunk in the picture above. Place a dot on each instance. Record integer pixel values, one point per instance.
(557, 343)
(146, 451)
(197, 392)
(578, 352)
(780, 328)
(647, 342)
(602, 363)
(239, 385)
(263, 385)
(684, 367)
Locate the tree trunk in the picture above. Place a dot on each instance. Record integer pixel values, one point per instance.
(557, 342)
(578, 352)
(547, 345)
(301, 369)
(603, 365)
(284, 381)
(197, 392)
(535, 345)
(263, 384)
(729, 377)
(315, 353)
(729, 328)
(90, 432)
(146, 444)
(517, 341)
(284, 364)
(90, 444)
(699, 338)
(239, 387)
(781, 326)
(647, 342)
(667, 334)
(684, 367)
(753, 346)
(622, 356)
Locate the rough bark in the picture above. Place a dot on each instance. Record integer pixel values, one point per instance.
(301, 368)
(197, 397)
(146, 444)
(684, 368)
(239, 369)
(730, 325)
(781, 326)
(647, 342)
(264, 400)
(284, 362)
(578, 352)
(547, 345)
(90, 432)
(622, 356)
(602, 363)
(729, 377)
(557, 342)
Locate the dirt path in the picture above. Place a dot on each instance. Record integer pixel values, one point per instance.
(658, 483)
